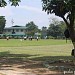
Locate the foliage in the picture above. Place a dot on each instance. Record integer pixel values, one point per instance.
(64, 9)
(2, 23)
(44, 32)
(31, 28)
(56, 31)
(59, 7)
(3, 3)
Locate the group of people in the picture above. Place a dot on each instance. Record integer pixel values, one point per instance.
(25, 38)
(30, 38)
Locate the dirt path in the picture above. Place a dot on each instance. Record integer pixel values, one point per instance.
(27, 68)
(14, 70)
(10, 72)
(24, 72)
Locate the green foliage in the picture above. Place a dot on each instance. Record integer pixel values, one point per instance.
(14, 2)
(2, 23)
(31, 28)
(3, 3)
(56, 31)
(44, 32)
(59, 7)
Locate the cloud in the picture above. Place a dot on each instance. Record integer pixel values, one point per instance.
(30, 8)
(5, 11)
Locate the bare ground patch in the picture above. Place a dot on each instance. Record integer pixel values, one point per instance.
(24, 67)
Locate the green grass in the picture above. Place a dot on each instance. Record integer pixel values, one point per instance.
(36, 50)
(19, 43)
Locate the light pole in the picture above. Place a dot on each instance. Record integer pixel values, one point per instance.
(12, 22)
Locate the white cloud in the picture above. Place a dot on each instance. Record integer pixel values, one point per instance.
(30, 8)
(5, 11)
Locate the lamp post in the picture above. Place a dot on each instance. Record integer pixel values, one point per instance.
(12, 22)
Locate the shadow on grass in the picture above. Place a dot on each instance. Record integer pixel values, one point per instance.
(8, 58)
(26, 60)
(46, 58)
(21, 57)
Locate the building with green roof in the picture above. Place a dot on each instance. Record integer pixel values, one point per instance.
(15, 31)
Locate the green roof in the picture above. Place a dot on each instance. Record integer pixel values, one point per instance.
(15, 27)
(13, 34)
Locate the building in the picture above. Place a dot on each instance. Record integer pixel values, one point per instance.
(15, 31)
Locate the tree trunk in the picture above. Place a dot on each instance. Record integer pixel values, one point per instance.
(72, 36)
(74, 48)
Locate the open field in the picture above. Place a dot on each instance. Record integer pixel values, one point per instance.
(23, 43)
(35, 48)
(26, 57)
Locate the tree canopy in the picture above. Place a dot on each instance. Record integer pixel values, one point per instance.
(2, 23)
(61, 8)
(64, 9)
(3, 3)
(56, 31)
(44, 32)
(31, 28)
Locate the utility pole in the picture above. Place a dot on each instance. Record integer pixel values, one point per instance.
(12, 22)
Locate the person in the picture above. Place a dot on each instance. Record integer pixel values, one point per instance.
(37, 38)
(7, 38)
(25, 38)
(72, 53)
(31, 38)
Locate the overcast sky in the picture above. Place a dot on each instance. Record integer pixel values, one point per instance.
(28, 10)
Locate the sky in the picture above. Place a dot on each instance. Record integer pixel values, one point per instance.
(27, 11)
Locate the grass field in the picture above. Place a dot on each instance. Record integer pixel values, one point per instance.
(23, 43)
(36, 50)
(17, 55)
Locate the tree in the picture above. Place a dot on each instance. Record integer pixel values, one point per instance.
(62, 26)
(44, 32)
(3, 3)
(64, 9)
(2, 23)
(31, 28)
(56, 30)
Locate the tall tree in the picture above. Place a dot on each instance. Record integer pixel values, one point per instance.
(2, 24)
(61, 8)
(44, 32)
(56, 30)
(63, 27)
(31, 28)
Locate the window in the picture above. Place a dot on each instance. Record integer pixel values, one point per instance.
(9, 30)
(4, 30)
(17, 30)
(21, 30)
